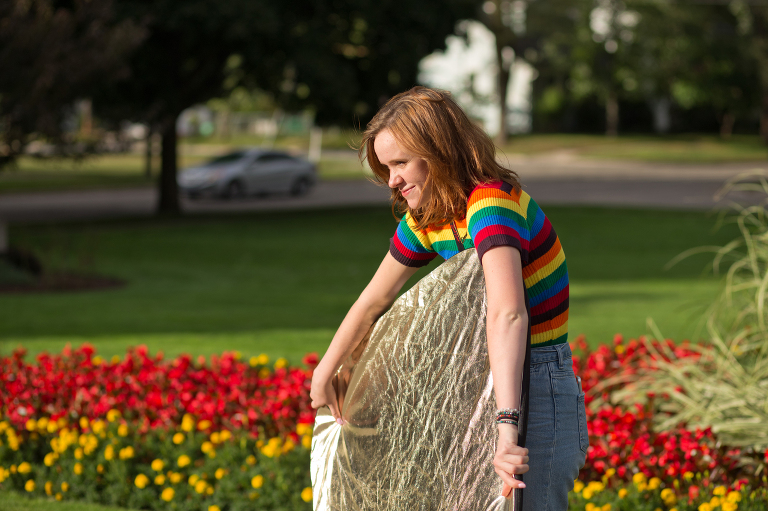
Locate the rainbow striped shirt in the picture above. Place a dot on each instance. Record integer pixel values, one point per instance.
(499, 215)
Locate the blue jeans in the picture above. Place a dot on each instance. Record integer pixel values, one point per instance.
(557, 437)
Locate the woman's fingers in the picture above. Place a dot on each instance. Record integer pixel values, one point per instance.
(509, 481)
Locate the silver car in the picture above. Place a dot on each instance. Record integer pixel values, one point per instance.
(249, 172)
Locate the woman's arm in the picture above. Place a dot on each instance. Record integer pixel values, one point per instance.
(372, 303)
(507, 330)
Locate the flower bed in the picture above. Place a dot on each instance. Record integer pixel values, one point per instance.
(218, 435)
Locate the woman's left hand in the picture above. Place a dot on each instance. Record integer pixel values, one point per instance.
(322, 393)
(510, 459)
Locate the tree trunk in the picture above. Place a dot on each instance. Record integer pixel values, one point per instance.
(169, 190)
(727, 120)
(612, 114)
(502, 84)
(764, 119)
(148, 154)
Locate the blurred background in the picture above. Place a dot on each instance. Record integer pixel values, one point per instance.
(184, 175)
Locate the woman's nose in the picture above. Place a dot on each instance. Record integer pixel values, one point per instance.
(394, 179)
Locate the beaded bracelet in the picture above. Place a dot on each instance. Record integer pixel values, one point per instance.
(504, 421)
(508, 416)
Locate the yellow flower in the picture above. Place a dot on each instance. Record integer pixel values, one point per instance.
(590, 507)
(97, 360)
(623, 493)
(596, 486)
(281, 363)
(30, 485)
(141, 481)
(187, 423)
(24, 468)
(78, 468)
(214, 508)
(705, 507)
(688, 475)
(719, 491)
(98, 426)
(253, 361)
(65, 487)
(264, 373)
(167, 494)
(84, 423)
(225, 435)
(729, 506)
(203, 425)
(262, 359)
(200, 486)
(588, 493)
(206, 447)
(100, 468)
(30, 425)
(306, 494)
(157, 465)
(257, 481)
(48, 488)
(122, 430)
(178, 438)
(58, 496)
(654, 483)
(642, 487)
(193, 479)
(209, 490)
(220, 472)
(109, 453)
(159, 479)
(288, 446)
(52, 427)
(126, 453)
(215, 437)
(638, 478)
(306, 441)
(669, 497)
(714, 502)
(79, 453)
(175, 477)
(42, 424)
(113, 415)
(578, 486)
(303, 429)
(50, 459)
(673, 509)
(183, 460)
(115, 359)
(251, 460)
(606, 507)
(733, 496)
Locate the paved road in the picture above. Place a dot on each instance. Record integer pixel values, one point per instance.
(553, 180)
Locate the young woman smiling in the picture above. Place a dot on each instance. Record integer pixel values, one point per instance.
(455, 198)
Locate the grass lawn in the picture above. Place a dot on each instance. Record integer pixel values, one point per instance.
(280, 283)
(12, 501)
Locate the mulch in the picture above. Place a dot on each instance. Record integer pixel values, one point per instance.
(63, 282)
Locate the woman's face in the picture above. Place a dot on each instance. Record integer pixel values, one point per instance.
(407, 172)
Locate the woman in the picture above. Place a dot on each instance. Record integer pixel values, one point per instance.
(442, 171)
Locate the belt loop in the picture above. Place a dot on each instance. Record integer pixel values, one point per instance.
(559, 356)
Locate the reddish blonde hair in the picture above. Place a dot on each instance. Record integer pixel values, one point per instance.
(459, 154)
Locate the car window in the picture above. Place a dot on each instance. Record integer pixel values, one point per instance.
(227, 158)
(273, 157)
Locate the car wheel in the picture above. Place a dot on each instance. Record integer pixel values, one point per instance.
(234, 190)
(301, 187)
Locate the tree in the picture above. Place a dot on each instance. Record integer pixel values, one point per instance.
(340, 57)
(53, 53)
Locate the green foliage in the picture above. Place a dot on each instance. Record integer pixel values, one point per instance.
(184, 469)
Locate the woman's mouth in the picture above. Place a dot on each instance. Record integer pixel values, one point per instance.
(406, 191)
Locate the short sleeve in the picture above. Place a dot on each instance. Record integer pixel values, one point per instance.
(410, 246)
(499, 215)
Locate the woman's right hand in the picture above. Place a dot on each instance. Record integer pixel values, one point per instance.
(510, 459)
(322, 393)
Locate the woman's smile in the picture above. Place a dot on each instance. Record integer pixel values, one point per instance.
(407, 172)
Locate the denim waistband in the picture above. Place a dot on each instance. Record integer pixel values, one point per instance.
(560, 353)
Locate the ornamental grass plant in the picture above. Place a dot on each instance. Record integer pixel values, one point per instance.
(725, 386)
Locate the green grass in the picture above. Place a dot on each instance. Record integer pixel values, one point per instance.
(686, 148)
(12, 501)
(280, 283)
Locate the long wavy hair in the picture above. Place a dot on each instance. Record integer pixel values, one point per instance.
(459, 154)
